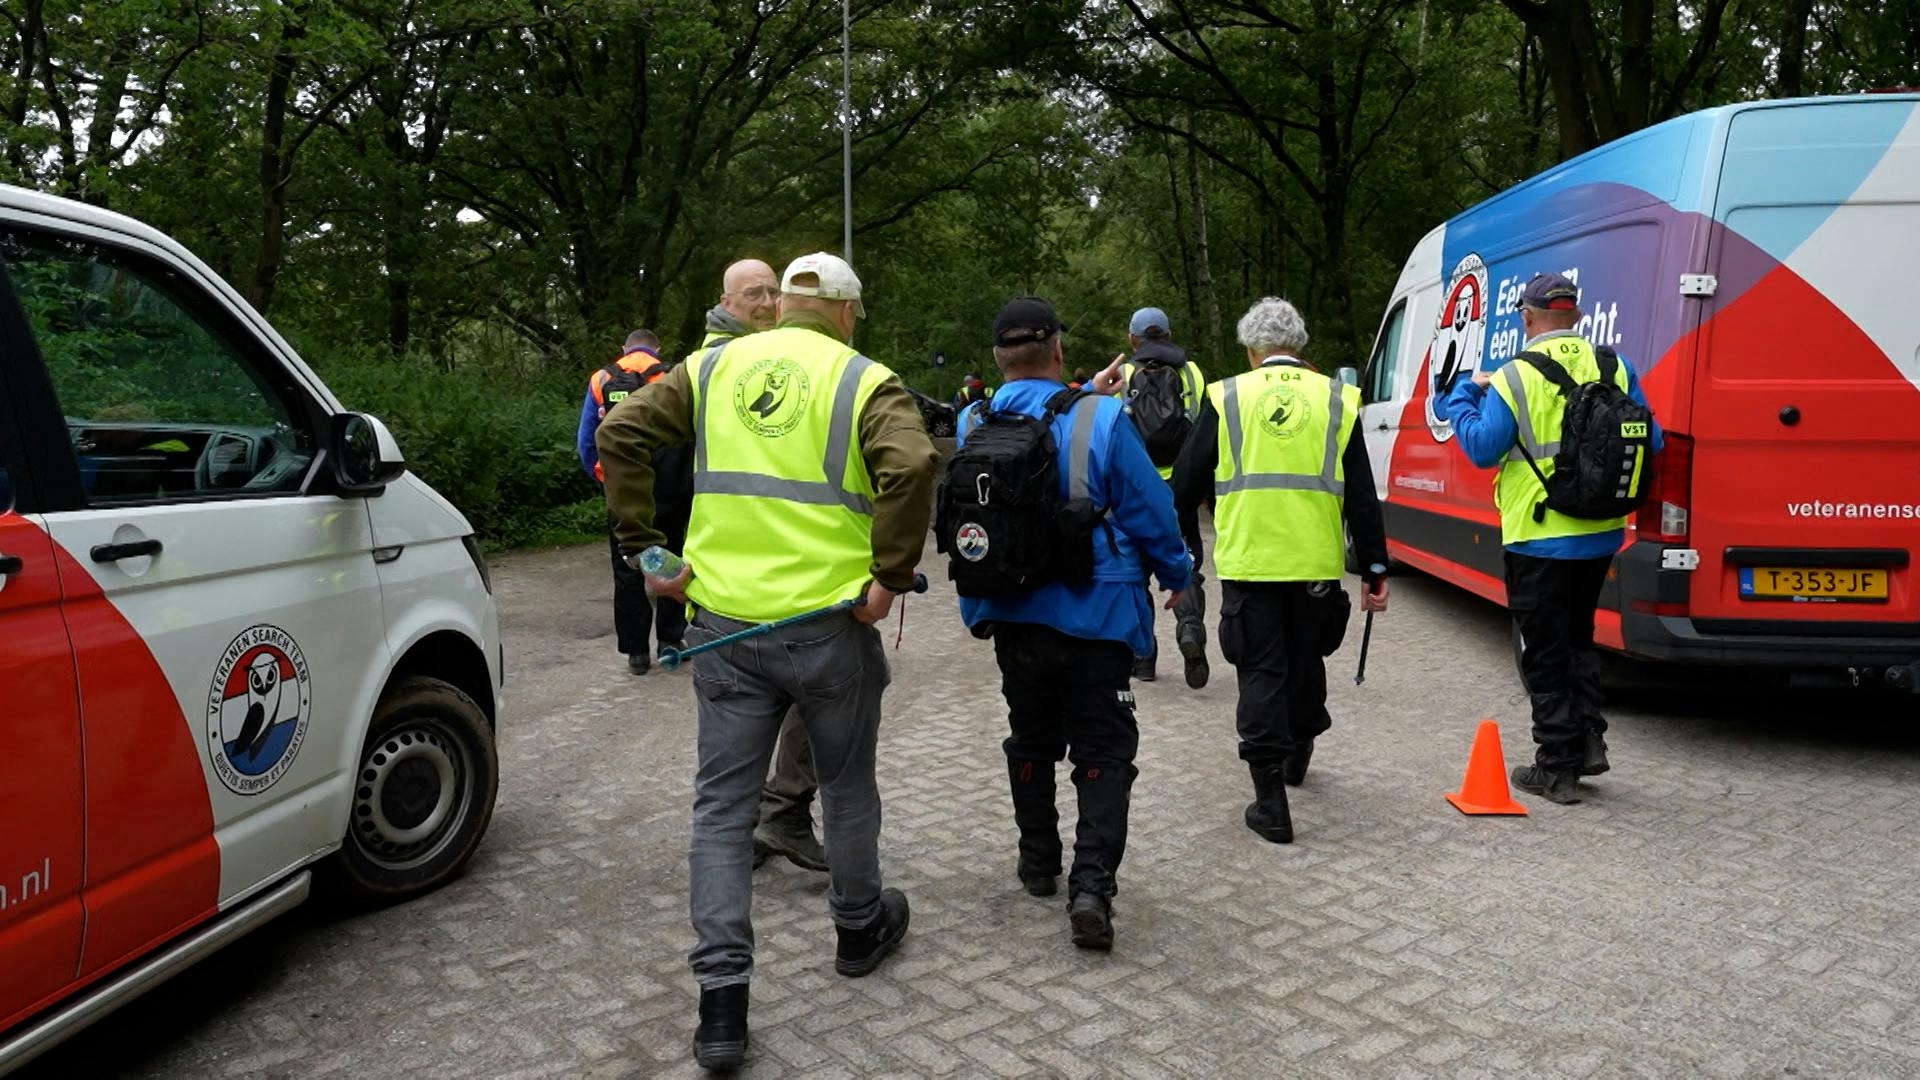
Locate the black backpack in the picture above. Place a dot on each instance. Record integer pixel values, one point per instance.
(999, 514)
(1159, 409)
(1600, 470)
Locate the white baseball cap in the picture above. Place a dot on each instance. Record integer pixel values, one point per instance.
(837, 279)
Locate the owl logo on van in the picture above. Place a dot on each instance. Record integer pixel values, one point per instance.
(1459, 339)
(257, 709)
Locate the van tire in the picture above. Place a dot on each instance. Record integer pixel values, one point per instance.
(424, 791)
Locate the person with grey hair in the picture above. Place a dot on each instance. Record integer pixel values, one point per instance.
(1278, 453)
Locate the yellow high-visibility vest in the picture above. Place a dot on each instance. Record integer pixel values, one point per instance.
(1538, 409)
(1279, 483)
(782, 516)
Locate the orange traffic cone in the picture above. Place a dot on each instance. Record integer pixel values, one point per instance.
(1483, 790)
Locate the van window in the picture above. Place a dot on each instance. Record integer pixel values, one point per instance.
(160, 405)
(1385, 363)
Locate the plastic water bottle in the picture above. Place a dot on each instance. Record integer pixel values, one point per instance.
(658, 562)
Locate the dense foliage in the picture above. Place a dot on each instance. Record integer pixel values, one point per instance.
(458, 209)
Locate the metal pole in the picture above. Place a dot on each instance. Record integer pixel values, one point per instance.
(846, 130)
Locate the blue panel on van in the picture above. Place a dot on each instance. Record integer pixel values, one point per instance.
(1812, 155)
(1643, 168)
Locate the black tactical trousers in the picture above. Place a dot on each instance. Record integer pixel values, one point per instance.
(1272, 632)
(1552, 602)
(1069, 697)
(634, 611)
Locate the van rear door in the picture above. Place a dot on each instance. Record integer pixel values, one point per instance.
(1806, 469)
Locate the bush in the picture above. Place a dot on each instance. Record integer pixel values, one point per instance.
(498, 446)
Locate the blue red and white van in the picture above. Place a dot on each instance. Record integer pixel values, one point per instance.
(1754, 264)
(243, 653)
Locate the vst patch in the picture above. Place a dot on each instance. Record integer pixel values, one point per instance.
(258, 707)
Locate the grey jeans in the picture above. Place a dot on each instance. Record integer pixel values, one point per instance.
(791, 785)
(832, 672)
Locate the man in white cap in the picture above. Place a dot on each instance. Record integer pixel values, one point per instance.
(813, 483)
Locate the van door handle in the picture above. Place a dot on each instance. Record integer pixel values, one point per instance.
(11, 565)
(1381, 426)
(106, 553)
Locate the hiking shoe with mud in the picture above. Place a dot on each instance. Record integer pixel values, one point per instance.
(1561, 787)
(1091, 916)
(1193, 650)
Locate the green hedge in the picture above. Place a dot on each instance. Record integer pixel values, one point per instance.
(500, 446)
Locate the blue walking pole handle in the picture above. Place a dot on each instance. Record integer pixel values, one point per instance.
(673, 658)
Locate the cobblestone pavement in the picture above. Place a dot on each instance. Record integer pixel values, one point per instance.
(1735, 899)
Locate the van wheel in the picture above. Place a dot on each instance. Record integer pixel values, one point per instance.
(422, 798)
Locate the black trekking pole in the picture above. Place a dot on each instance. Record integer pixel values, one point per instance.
(1366, 639)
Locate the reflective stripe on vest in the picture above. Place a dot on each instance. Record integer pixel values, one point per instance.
(1518, 386)
(1327, 479)
(826, 492)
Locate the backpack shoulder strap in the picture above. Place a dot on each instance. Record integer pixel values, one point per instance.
(1609, 362)
(1063, 400)
(1550, 371)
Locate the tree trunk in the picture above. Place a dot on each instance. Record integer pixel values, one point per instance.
(32, 29)
(1205, 302)
(275, 171)
(1181, 235)
(1791, 78)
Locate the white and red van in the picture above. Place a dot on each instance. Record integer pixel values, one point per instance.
(242, 651)
(1755, 264)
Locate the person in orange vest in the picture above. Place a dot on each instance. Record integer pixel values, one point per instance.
(636, 616)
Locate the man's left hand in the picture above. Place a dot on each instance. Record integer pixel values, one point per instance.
(1174, 598)
(878, 604)
(1483, 379)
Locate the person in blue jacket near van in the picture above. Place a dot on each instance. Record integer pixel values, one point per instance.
(1066, 651)
(1555, 565)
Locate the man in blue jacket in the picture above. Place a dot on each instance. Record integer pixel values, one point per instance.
(1556, 565)
(1066, 651)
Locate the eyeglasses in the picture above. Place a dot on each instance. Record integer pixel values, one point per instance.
(759, 294)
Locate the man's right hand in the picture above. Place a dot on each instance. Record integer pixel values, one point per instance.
(674, 588)
(1108, 380)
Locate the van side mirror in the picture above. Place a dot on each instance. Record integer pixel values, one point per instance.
(1348, 375)
(366, 458)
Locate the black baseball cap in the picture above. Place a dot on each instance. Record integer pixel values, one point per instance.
(1550, 292)
(1025, 319)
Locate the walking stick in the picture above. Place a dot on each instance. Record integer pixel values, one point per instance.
(673, 658)
(1366, 639)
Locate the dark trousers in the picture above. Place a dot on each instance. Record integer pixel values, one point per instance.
(634, 612)
(1068, 697)
(1271, 632)
(1552, 602)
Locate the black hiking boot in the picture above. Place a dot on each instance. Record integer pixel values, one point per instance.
(1267, 814)
(862, 950)
(1194, 651)
(1559, 787)
(1091, 916)
(791, 834)
(1294, 769)
(1143, 670)
(720, 1042)
(637, 663)
(1596, 759)
(1038, 883)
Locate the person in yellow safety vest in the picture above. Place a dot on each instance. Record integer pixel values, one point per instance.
(1150, 339)
(813, 484)
(635, 614)
(1279, 453)
(749, 303)
(1555, 565)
